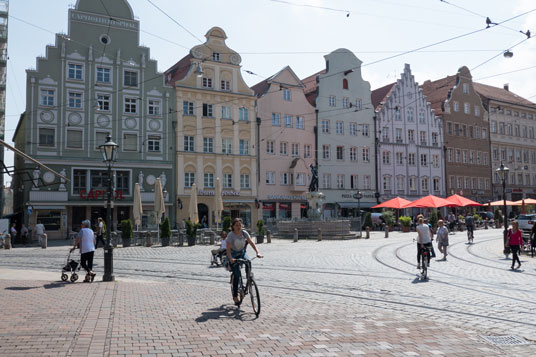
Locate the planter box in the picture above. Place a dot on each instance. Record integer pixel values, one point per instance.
(165, 241)
(191, 241)
(260, 239)
(126, 242)
(405, 229)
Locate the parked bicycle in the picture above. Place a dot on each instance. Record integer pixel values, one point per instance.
(249, 288)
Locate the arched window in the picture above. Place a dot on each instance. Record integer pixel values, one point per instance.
(344, 83)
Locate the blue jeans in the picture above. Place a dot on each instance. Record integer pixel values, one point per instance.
(241, 254)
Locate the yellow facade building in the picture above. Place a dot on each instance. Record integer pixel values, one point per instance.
(215, 132)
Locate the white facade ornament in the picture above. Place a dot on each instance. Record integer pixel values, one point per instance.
(140, 180)
(36, 174)
(118, 59)
(163, 180)
(90, 55)
(143, 60)
(62, 181)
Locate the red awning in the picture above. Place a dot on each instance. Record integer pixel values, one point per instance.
(396, 202)
(461, 201)
(430, 201)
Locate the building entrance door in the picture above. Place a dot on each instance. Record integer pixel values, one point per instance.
(97, 212)
(202, 212)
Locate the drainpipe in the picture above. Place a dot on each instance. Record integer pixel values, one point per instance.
(376, 144)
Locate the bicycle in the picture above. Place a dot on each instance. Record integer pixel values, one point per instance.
(250, 287)
(470, 234)
(425, 261)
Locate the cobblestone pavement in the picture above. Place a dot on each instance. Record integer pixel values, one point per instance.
(319, 298)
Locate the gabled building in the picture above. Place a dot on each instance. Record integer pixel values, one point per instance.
(285, 145)
(215, 131)
(95, 81)
(466, 134)
(410, 141)
(513, 143)
(345, 134)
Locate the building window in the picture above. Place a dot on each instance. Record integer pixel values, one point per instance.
(103, 102)
(399, 158)
(398, 135)
(477, 111)
(422, 135)
(365, 129)
(411, 159)
(227, 145)
(103, 75)
(154, 107)
(300, 179)
(283, 179)
(307, 152)
(188, 108)
(366, 154)
(466, 108)
(270, 177)
(208, 110)
(153, 144)
(216, 57)
(300, 123)
(493, 126)
(353, 129)
(288, 121)
(436, 185)
(270, 147)
(339, 128)
(325, 126)
(47, 97)
(226, 112)
(387, 183)
(465, 88)
(449, 128)
(244, 181)
(354, 181)
(244, 147)
(340, 152)
(366, 182)
(346, 102)
(411, 135)
(400, 183)
(225, 85)
(295, 149)
(228, 180)
(421, 117)
(464, 130)
(424, 184)
(435, 160)
(46, 137)
(410, 115)
(189, 143)
(326, 181)
(75, 71)
(332, 101)
(276, 119)
(353, 153)
(450, 154)
(207, 82)
(243, 114)
(287, 95)
(130, 78)
(79, 181)
(344, 83)
(456, 106)
(122, 180)
(208, 180)
(386, 157)
(99, 179)
(413, 183)
(75, 100)
(189, 179)
(283, 148)
(130, 105)
(435, 139)
(74, 139)
(340, 181)
(208, 145)
(325, 152)
(130, 142)
(358, 104)
(398, 117)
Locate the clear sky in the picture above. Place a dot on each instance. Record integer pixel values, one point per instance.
(270, 34)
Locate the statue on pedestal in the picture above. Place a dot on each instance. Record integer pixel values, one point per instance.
(62, 181)
(313, 186)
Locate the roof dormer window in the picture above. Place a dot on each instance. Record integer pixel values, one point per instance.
(216, 57)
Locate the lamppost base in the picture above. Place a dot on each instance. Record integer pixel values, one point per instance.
(108, 264)
(108, 278)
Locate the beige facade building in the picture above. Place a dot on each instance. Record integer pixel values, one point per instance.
(466, 134)
(513, 142)
(215, 131)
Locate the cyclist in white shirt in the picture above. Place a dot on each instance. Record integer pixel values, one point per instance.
(424, 240)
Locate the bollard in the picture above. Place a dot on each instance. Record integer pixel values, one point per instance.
(368, 233)
(268, 236)
(386, 231)
(295, 234)
(44, 241)
(7, 241)
(148, 240)
(485, 224)
(319, 232)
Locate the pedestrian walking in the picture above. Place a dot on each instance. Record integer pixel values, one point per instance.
(24, 234)
(13, 232)
(442, 239)
(515, 241)
(86, 240)
(40, 232)
(100, 233)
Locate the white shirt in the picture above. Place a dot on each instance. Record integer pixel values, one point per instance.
(39, 228)
(424, 233)
(101, 228)
(86, 240)
(224, 244)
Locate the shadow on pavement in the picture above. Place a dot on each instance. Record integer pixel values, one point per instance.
(21, 288)
(224, 312)
(419, 280)
(57, 284)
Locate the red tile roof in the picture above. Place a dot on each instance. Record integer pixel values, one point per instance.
(378, 95)
(501, 94)
(437, 92)
(261, 87)
(311, 86)
(178, 71)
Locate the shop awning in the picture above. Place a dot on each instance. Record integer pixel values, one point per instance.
(240, 201)
(49, 207)
(354, 204)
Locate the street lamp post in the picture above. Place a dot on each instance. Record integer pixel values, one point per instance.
(358, 196)
(503, 172)
(109, 152)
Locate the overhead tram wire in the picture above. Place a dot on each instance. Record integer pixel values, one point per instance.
(175, 21)
(347, 12)
(500, 53)
(501, 74)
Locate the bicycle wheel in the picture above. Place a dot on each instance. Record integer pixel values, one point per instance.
(255, 297)
(424, 266)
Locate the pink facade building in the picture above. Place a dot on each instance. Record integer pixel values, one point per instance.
(285, 146)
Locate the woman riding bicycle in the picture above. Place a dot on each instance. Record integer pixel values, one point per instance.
(236, 249)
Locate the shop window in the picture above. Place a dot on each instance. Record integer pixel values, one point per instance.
(50, 219)
(285, 210)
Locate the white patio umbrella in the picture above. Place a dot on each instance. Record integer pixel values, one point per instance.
(192, 209)
(137, 209)
(159, 206)
(218, 202)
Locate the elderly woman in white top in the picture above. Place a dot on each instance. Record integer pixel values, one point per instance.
(86, 239)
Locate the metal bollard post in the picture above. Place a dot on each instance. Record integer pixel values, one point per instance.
(486, 224)
(319, 232)
(295, 234)
(268, 236)
(44, 241)
(386, 231)
(368, 233)
(7, 241)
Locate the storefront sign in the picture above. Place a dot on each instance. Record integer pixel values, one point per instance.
(100, 195)
(102, 20)
(287, 197)
(363, 195)
(223, 193)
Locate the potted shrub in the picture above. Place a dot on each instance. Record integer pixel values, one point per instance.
(126, 232)
(260, 231)
(498, 218)
(389, 219)
(226, 224)
(165, 232)
(191, 232)
(368, 221)
(405, 221)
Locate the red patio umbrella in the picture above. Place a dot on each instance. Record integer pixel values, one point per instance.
(501, 202)
(461, 201)
(430, 201)
(396, 202)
